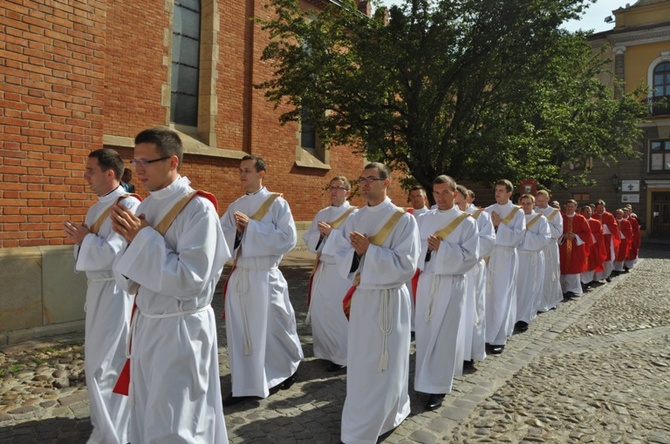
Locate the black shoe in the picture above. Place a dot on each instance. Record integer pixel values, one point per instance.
(434, 402)
(232, 400)
(520, 327)
(287, 383)
(608, 279)
(467, 365)
(332, 368)
(496, 349)
(568, 295)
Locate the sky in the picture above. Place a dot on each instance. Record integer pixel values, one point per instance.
(593, 19)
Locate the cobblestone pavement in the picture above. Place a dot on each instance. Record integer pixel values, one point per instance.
(596, 369)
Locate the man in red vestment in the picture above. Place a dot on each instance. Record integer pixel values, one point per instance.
(573, 246)
(626, 235)
(635, 247)
(611, 235)
(597, 253)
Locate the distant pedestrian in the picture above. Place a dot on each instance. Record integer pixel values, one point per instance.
(125, 180)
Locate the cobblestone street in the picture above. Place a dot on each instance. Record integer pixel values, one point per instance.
(596, 369)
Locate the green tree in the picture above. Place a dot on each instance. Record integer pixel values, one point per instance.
(477, 89)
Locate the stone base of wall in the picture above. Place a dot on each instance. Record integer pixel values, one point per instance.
(43, 296)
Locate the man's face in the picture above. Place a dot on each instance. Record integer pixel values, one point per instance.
(155, 175)
(250, 178)
(542, 201)
(127, 176)
(444, 196)
(527, 205)
(417, 198)
(337, 192)
(502, 195)
(101, 182)
(600, 208)
(570, 207)
(587, 212)
(374, 188)
(619, 214)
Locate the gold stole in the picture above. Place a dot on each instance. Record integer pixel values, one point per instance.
(257, 216)
(95, 228)
(476, 214)
(532, 222)
(510, 215)
(122, 385)
(553, 213)
(442, 233)
(334, 224)
(376, 239)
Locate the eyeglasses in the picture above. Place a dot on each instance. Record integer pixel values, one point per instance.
(337, 188)
(369, 179)
(144, 163)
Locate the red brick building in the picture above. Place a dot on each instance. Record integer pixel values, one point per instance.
(79, 75)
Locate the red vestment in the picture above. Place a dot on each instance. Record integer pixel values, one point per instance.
(608, 220)
(573, 257)
(635, 247)
(597, 254)
(626, 232)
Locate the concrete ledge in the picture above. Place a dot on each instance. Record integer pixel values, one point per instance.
(42, 295)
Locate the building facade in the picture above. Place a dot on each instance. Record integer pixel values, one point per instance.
(639, 47)
(76, 76)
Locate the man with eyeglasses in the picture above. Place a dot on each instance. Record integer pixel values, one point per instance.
(378, 247)
(329, 324)
(107, 305)
(174, 259)
(264, 350)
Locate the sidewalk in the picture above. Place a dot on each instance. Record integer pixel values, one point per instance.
(596, 369)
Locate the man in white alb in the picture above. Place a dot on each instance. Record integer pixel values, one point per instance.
(175, 256)
(450, 247)
(379, 248)
(531, 264)
(329, 324)
(510, 225)
(550, 292)
(472, 330)
(263, 345)
(107, 305)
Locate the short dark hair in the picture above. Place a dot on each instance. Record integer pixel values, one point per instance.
(462, 190)
(166, 140)
(508, 185)
(527, 196)
(443, 178)
(109, 159)
(384, 171)
(471, 194)
(259, 163)
(417, 187)
(601, 202)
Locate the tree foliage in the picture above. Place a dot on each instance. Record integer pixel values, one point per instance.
(477, 89)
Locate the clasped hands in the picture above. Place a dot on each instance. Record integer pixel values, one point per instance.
(125, 223)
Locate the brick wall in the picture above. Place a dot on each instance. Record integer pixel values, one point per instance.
(51, 102)
(71, 72)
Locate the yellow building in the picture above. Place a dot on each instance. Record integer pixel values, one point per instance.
(639, 47)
